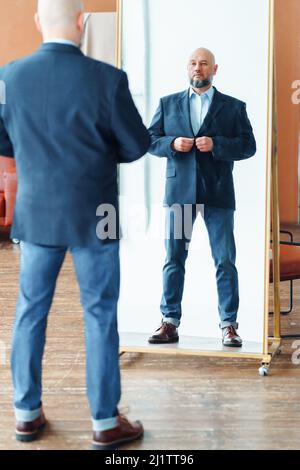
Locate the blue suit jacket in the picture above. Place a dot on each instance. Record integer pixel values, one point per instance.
(228, 125)
(68, 121)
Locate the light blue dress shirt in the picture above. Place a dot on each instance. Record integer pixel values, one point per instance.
(199, 106)
(62, 41)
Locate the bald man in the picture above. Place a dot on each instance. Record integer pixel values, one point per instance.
(201, 132)
(68, 121)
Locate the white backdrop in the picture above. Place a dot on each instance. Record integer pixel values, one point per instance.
(155, 57)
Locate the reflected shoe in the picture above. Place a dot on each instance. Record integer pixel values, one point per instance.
(29, 431)
(165, 333)
(123, 433)
(231, 338)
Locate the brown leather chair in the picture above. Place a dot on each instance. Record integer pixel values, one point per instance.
(289, 268)
(8, 190)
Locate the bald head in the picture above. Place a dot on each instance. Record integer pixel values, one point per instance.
(54, 13)
(204, 53)
(60, 18)
(201, 69)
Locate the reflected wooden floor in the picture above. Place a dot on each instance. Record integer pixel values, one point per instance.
(185, 402)
(136, 342)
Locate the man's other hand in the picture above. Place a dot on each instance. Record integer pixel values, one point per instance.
(183, 144)
(204, 144)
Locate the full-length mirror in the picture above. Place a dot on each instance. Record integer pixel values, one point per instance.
(160, 44)
(287, 92)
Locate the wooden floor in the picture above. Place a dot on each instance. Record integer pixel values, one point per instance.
(185, 402)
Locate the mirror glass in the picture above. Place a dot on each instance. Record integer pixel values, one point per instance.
(158, 38)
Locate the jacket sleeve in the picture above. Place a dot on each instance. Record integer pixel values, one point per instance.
(129, 131)
(160, 143)
(6, 148)
(239, 147)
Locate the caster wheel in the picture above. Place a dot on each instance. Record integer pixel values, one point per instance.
(263, 371)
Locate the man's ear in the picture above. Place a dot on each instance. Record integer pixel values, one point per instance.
(80, 22)
(215, 69)
(37, 22)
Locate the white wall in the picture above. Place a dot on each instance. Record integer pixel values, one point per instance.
(237, 32)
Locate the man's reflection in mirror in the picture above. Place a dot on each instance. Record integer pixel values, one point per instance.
(201, 132)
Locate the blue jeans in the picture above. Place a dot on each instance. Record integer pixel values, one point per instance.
(97, 271)
(220, 225)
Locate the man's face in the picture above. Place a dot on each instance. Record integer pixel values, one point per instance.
(201, 68)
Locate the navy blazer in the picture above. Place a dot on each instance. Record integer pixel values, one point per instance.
(227, 124)
(68, 121)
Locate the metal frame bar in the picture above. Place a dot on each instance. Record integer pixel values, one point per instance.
(286, 312)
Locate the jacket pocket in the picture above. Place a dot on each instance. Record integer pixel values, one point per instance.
(170, 172)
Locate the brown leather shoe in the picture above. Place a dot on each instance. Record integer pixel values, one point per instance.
(125, 431)
(231, 338)
(29, 431)
(165, 333)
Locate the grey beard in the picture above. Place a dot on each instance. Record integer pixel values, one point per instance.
(201, 83)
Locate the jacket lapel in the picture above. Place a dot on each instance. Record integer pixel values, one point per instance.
(215, 108)
(183, 105)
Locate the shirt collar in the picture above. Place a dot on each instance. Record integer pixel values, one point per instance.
(209, 93)
(61, 41)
